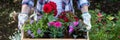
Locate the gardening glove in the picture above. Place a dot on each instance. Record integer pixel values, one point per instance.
(34, 16)
(86, 19)
(22, 17)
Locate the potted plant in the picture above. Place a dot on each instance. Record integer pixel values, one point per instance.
(67, 25)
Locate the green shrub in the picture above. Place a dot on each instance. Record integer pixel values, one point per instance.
(107, 28)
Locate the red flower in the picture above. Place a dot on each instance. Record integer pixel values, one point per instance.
(47, 8)
(62, 15)
(55, 12)
(100, 15)
(65, 19)
(76, 19)
(54, 6)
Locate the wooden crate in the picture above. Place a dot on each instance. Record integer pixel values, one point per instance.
(23, 38)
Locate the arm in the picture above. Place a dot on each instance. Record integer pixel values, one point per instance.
(23, 16)
(83, 6)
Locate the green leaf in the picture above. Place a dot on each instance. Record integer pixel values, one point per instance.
(51, 18)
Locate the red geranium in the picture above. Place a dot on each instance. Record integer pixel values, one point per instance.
(47, 8)
(66, 19)
(76, 18)
(62, 15)
(54, 6)
(55, 12)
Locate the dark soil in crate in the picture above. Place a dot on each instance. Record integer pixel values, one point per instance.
(66, 35)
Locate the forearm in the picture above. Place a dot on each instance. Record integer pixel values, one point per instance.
(84, 9)
(27, 5)
(25, 9)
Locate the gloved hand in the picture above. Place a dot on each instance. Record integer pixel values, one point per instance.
(22, 17)
(86, 19)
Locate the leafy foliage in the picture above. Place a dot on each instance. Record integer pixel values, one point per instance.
(106, 29)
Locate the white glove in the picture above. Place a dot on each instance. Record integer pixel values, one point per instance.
(22, 17)
(34, 15)
(86, 19)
